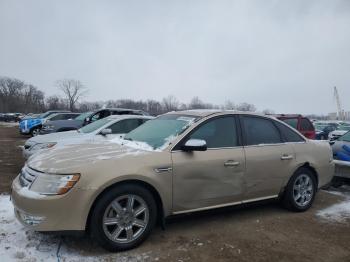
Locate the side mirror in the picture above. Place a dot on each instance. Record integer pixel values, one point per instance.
(87, 119)
(106, 131)
(195, 145)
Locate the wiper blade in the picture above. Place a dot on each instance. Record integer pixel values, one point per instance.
(127, 138)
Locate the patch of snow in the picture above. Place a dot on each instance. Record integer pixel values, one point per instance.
(18, 243)
(339, 212)
(134, 144)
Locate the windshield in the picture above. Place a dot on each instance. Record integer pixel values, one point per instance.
(94, 125)
(344, 127)
(345, 137)
(161, 130)
(51, 116)
(82, 116)
(320, 126)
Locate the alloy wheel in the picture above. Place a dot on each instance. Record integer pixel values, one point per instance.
(303, 190)
(125, 218)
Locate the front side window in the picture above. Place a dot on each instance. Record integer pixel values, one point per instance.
(259, 130)
(217, 133)
(125, 126)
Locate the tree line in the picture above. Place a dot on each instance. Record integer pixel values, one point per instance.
(18, 96)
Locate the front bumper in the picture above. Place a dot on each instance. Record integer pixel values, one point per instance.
(50, 213)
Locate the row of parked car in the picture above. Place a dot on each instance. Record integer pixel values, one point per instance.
(121, 171)
(11, 117)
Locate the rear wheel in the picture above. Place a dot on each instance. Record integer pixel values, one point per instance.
(300, 191)
(123, 217)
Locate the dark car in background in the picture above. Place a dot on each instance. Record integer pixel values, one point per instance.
(86, 118)
(11, 117)
(64, 125)
(300, 123)
(323, 129)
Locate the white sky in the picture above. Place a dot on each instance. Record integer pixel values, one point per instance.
(282, 55)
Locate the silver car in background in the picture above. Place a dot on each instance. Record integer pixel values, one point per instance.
(100, 130)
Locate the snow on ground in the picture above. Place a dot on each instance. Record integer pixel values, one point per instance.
(20, 244)
(339, 212)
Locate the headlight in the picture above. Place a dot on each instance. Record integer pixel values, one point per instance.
(46, 184)
(43, 146)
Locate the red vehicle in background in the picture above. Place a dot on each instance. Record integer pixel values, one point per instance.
(300, 123)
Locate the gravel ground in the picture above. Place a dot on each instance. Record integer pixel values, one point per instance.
(255, 232)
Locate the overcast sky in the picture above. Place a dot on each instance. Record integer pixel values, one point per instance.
(281, 55)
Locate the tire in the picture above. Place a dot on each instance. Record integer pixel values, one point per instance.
(302, 184)
(35, 131)
(106, 222)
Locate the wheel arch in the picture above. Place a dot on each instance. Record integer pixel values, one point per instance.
(302, 165)
(148, 186)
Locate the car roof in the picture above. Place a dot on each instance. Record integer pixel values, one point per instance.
(208, 112)
(119, 109)
(129, 117)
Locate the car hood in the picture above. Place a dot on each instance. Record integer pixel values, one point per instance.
(56, 137)
(75, 157)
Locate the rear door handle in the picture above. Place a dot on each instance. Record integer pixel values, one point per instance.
(286, 157)
(229, 163)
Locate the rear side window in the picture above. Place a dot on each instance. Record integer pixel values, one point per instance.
(288, 134)
(293, 122)
(306, 125)
(217, 132)
(259, 130)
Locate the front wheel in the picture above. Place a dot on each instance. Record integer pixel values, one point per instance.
(300, 191)
(123, 217)
(35, 131)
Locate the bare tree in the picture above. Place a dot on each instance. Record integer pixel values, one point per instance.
(170, 103)
(17, 96)
(229, 105)
(55, 102)
(73, 90)
(196, 103)
(246, 107)
(268, 111)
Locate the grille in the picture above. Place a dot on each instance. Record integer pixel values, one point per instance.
(27, 176)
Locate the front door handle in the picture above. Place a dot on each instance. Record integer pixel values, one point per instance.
(229, 163)
(286, 157)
